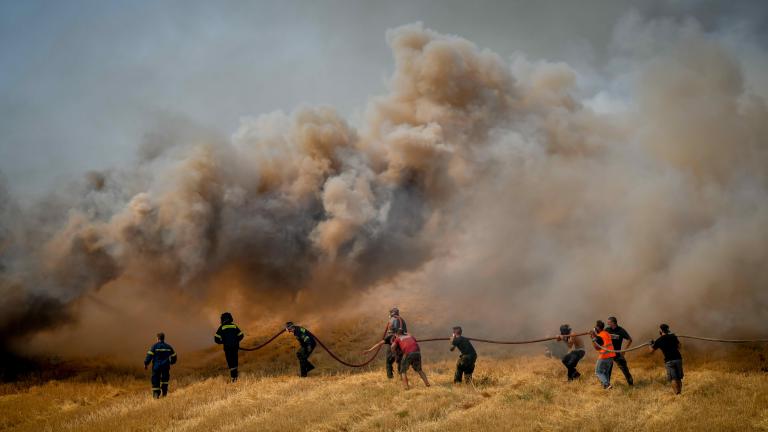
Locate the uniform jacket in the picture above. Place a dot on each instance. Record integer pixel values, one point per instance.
(229, 335)
(161, 355)
(304, 336)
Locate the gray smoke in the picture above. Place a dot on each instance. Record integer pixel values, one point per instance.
(502, 187)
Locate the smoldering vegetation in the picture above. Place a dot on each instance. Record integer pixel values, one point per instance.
(525, 189)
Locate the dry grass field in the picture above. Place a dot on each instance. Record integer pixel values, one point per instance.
(724, 390)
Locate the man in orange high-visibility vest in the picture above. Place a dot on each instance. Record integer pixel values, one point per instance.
(601, 340)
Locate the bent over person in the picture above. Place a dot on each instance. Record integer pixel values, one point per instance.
(466, 364)
(411, 356)
(229, 335)
(162, 356)
(307, 345)
(576, 351)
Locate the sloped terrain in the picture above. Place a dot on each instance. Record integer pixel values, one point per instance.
(723, 391)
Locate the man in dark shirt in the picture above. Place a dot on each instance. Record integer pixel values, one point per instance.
(307, 344)
(618, 334)
(466, 364)
(669, 344)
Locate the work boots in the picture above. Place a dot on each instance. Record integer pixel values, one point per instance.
(305, 367)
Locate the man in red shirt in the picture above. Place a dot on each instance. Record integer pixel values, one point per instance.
(411, 356)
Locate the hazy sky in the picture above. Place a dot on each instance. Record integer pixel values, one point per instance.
(82, 81)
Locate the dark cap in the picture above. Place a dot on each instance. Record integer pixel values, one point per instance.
(664, 328)
(565, 329)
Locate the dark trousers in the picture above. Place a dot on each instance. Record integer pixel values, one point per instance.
(392, 358)
(230, 353)
(303, 355)
(465, 366)
(571, 360)
(160, 379)
(621, 362)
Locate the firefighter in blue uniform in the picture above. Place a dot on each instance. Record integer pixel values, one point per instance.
(229, 335)
(307, 345)
(162, 356)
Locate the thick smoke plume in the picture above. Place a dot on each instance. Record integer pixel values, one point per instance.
(511, 193)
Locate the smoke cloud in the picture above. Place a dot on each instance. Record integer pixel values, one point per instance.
(528, 190)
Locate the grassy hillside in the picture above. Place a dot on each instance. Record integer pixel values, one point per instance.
(514, 392)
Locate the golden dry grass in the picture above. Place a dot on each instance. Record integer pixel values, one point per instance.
(527, 392)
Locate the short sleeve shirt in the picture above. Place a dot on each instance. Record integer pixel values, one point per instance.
(617, 336)
(668, 344)
(406, 343)
(464, 345)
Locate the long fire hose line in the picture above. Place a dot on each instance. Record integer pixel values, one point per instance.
(426, 340)
(687, 337)
(345, 363)
(637, 347)
(523, 341)
(376, 353)
(328, 350)
(723, 340)
(354, 365)
(258, 347)
(373, 357)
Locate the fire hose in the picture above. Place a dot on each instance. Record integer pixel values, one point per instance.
(269, 341)
(328, 350)
(522, 342)
(723, 340)
(686, 337)
(376, 353)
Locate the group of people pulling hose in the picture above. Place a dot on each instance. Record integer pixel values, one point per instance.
(607, 342)
(402, 349)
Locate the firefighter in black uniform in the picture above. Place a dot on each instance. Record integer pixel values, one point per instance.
(229, 335)
(162, 356)
(307, 342)
(395, 323)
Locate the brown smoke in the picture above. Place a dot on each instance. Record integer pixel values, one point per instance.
(495, 189)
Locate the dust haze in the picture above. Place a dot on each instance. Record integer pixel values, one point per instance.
(505, 194)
